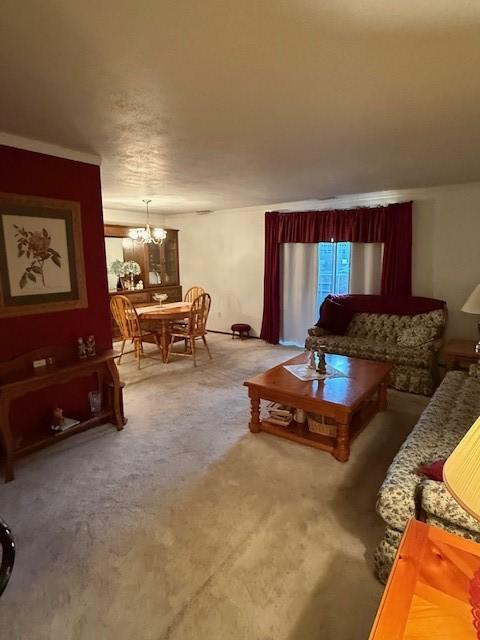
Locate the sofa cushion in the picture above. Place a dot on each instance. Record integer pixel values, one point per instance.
(377, 325)
(388, 327)
(334, 317)
(434, 319)
(373, 349)
(415, 336)
(438, 503)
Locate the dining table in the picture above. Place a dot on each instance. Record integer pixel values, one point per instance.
(161, 316)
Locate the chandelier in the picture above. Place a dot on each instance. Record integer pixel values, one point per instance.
(146, 234)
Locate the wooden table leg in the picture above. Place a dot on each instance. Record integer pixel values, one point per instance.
(165, 340)
(7, 440)
(117, 404)
(342, 447)
(254, 424)
(382, 396)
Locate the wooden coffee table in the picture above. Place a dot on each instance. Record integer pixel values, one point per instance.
(351, 401)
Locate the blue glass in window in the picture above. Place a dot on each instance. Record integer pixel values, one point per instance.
(333, 269)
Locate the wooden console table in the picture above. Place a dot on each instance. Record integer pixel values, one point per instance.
(18, 378)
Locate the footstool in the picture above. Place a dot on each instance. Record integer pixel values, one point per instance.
(243, 330)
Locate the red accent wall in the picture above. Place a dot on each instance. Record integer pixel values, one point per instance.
(36, 174)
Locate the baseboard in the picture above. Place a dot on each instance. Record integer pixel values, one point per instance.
(229, 333)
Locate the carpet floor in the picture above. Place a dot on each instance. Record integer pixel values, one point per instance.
(184, 526)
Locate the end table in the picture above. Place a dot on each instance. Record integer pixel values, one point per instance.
(432, 591)
(459, 354)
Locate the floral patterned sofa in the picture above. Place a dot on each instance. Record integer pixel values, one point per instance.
(404, 494)
(404, 331)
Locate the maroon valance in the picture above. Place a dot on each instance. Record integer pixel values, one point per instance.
(391, 225)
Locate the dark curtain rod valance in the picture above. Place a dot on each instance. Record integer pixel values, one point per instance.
(391, 224)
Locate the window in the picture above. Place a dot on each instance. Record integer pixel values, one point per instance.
(333, 269)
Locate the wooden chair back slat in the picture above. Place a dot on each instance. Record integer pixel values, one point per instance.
(193, 293)
(194, 328)
(197, 321)
(126, 317)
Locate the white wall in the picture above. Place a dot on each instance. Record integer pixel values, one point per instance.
(446, 260)
(223, 252)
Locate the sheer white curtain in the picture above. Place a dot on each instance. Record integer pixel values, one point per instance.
(366, 267)
(298, 294)
(299, 284)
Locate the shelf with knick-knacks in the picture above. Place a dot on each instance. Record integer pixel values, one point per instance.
(52, 367)
(140, 270)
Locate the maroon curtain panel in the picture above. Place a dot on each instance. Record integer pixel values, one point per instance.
(391, 225)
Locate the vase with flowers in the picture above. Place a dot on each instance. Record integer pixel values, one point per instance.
(117, 269)
(131, 269)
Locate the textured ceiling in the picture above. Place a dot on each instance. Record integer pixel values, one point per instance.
(216, 104)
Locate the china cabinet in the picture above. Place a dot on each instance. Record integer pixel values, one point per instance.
(159, 270)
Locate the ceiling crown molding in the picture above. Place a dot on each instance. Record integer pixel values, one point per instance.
(11, 140)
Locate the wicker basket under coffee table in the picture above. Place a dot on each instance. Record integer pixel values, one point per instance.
(349, 402)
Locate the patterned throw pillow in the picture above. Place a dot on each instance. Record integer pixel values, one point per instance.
(415, 336)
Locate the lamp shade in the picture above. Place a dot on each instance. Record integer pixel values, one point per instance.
(472, 305)
(461, 472)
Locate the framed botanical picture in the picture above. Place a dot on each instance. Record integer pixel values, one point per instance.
(41, 256)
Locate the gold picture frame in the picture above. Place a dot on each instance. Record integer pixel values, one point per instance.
(42, 268)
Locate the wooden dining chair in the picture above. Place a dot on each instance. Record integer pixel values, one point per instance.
(190, 296)
(193, 293)
(126, 317)
(195, 328)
